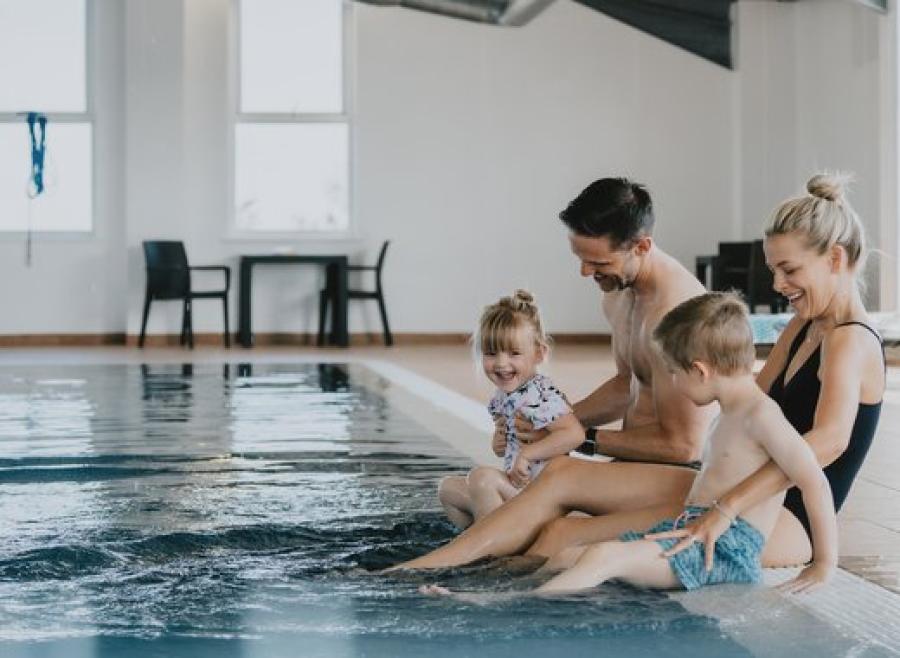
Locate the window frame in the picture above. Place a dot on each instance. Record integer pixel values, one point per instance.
(237, 117)
(87, 117)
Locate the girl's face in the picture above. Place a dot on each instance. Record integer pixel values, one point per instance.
(509, 369)
(805, 277)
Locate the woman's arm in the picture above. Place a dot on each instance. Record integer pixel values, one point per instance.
(843, 359)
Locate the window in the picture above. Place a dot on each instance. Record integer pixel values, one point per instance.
(292, 132)
(43, 45)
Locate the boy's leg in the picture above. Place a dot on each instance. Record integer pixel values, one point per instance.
(489, 488)
(639, 563)
(453, 492)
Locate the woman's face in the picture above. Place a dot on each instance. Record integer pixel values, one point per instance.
(805, 277)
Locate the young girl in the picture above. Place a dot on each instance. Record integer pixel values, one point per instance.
(511, 343)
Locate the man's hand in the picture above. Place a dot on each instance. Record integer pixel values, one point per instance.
(498, 444)
(525, 431)
(520, 473)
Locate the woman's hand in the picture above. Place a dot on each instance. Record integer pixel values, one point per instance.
(520, 473)
(705, 529)
(810, 579)
(498, 444)
(525, 431)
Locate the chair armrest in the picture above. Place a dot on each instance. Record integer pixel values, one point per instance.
(213, 268)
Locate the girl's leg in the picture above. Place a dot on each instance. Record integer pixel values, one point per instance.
(564, 485)
(639, 563)
(568, 532)
(488, 488)
(453, 492)
(788, 545)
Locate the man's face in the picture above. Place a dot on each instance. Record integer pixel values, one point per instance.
(612, 269)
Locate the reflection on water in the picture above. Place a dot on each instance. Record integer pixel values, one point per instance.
(209, 510)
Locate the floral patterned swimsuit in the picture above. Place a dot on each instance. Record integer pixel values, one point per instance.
(539, 401)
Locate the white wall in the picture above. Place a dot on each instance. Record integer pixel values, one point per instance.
(817, 91)
(468, 141)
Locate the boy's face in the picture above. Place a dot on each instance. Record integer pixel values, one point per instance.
(509, 369)
(695, 383)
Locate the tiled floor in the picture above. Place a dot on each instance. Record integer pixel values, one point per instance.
(869, 522)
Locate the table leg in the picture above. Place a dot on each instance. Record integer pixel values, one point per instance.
(245, 332)
(339, 304)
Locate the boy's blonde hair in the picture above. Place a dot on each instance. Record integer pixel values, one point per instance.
(501, 321)
(713, 328)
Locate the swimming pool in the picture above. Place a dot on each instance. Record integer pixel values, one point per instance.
(241, 510)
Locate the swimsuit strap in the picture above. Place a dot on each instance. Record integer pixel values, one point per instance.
(795, 345)
(873, 332)
(862, 324)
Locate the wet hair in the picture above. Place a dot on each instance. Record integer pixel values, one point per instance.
(823, 217)
(713, 328)
(615, 208)
(501, 321)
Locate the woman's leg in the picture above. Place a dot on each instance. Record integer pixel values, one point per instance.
(565, 484)
(639, 563)
(453, 492)
(569, 532)
(788, 545)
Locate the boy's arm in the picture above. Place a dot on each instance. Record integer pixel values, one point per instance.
(796, 460)
(566, 434)
(676, 436)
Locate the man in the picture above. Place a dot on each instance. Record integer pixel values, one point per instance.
(610, 232)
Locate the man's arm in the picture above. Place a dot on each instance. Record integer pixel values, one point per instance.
(678, 434)
(607, 403)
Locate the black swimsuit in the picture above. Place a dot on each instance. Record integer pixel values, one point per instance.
(798, 400)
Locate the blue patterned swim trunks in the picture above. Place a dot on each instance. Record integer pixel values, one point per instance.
(736, 559)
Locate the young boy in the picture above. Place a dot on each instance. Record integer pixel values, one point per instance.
(708, 346)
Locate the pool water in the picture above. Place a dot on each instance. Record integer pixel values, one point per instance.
(237, 510)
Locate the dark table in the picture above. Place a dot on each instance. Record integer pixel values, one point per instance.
(336, 275)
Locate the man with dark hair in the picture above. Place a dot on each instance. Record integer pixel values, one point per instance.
(657, 449)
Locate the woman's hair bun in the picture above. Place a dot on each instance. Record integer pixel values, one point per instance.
(828, 186)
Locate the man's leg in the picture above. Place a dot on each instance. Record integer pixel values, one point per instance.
(639, 563)
(566, 484)
(453, 492)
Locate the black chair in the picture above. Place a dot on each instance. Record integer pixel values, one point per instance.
(169, 277)
(377, 294)
(742, 266)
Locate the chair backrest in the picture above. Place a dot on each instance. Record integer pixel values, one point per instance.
(761, 279)
(733, 266)
(168, 276)
(381, 255)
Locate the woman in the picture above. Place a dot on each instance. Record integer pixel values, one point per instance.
(826, 372)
